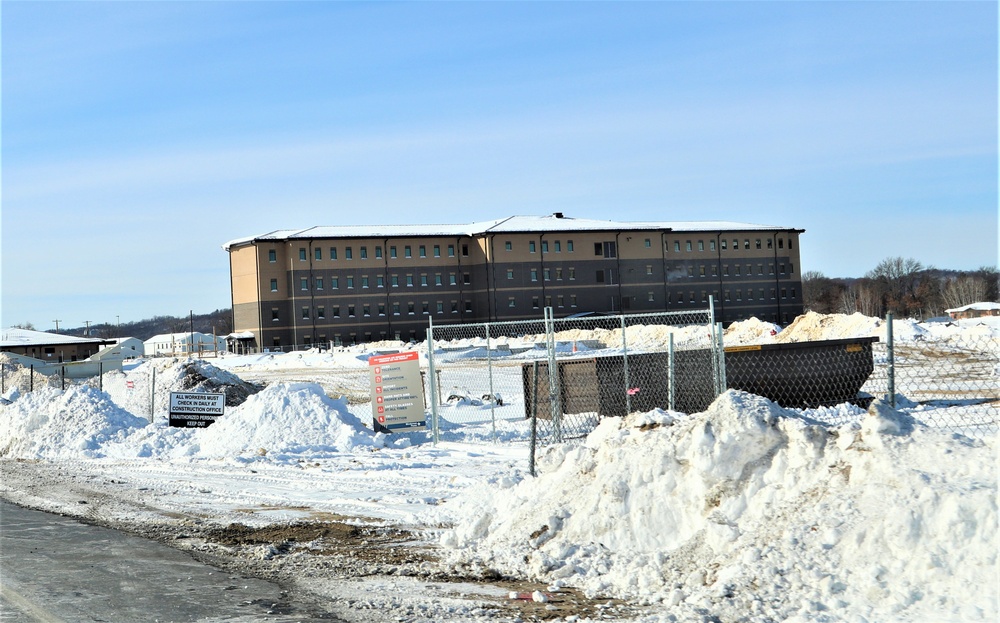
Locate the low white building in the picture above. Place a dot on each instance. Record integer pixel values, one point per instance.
(974, 310)
(183, 345)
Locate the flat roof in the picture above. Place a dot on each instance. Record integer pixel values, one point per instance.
(514, 224)
(19, 338)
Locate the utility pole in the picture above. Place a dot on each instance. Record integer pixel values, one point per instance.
(87, 330)
(118, 323)
(57, 324)
(191, 347)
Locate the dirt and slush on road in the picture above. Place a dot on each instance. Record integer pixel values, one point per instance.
(337, 568)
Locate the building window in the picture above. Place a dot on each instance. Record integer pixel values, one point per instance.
(364, 281)
(701, 245)
(545, 274)
(770, 243)
(452, 280)
(711, 245)
(770, 268)
(746, 244)
(531, 246)
(423, 280)
(757, 244)
(440, 307)
(466, 278)
(378, 252)
(350, 311)
(409, 281)
(304, 283)
(649, 269)
(534, 302)
(318, 254)
(274, 285)
(437, 250)
(319, 283)
(572, 300)
(272, 256)
(760, 269)
(701, 270)
(274, 313)
(454, 307)
(468, 306)
(606, 249)
(395, 309)
(379, 281)
(350, 283)
(677, 246)
(599, 277)
(366, 310)
(425, 308)
(545, 246)
(569, 246)
(335, 310)
(558, 274)
(760, 294)
(650, 297)
(321, 312)
(781, 243)
(394, 281)
(739, 295)
(510, 273)
(422, 250)
(725, 270)
(558, 246)
(437, 279)
(407, 251)
(302, 255)
(687, 245)
(737, 267)
(534, 274)
(364, 253)
(508, 246)
(560, 301)
(451, 250)
(648, 243)
(392, 252)
(381, 309)
(511, 302)
(334, 283)
(305, 313)
(572, 273)
(465, 250)
(723, 244)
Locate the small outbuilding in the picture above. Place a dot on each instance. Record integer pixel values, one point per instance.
(974, 310)
(50, 347)
(186, 344)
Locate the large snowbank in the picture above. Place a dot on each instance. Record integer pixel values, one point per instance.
(754, 513)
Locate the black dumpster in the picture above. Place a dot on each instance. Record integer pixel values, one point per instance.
(796, 375)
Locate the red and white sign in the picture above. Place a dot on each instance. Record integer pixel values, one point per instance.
(397, 392)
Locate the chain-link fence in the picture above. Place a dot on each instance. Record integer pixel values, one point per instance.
(552, 379)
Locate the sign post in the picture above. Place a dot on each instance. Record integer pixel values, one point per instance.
(195, 410)
(397, 392)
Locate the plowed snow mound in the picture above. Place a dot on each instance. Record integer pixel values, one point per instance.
(289, 418)
(752, 513)
(812, 326)
(50, 423)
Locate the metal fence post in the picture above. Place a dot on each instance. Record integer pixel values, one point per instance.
(31, 378)
(152, 397)
(892, 360)
(670, 371)
(534, 418)
(625, 375)
(554, 389)
(721, 363)
(100, 375)
(435, 430)
(489, 372)
(62, 378)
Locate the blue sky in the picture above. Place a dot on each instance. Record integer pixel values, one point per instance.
(138, 137)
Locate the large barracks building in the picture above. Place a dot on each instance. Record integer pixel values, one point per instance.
(347, 284)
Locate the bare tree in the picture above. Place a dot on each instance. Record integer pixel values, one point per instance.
(964, 290)
(23, 325)
(896, 281)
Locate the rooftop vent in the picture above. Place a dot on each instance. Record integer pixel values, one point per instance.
(557, 214)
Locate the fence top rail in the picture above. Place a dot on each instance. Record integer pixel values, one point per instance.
(698, 316)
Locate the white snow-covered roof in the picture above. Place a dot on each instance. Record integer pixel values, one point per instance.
(984, 306)
(240, 335)
(12, 338)
(513, 224)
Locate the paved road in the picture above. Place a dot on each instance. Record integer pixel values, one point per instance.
(54, 569)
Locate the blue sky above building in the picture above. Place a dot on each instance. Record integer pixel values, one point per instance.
(138, 137)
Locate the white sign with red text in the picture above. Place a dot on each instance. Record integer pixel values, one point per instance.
(397, 392)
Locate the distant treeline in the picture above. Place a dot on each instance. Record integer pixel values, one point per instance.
(219, 322)
(902, 286)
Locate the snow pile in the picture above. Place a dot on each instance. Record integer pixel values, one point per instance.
(753, 513)
(52, 424)
(287, 419)
(812, 326)
(751, 331)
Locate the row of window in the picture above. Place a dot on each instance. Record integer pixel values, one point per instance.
(348, 252)
(758, 243)
(379, 309)
(602, 249)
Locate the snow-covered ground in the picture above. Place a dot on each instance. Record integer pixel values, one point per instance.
(745, 512)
